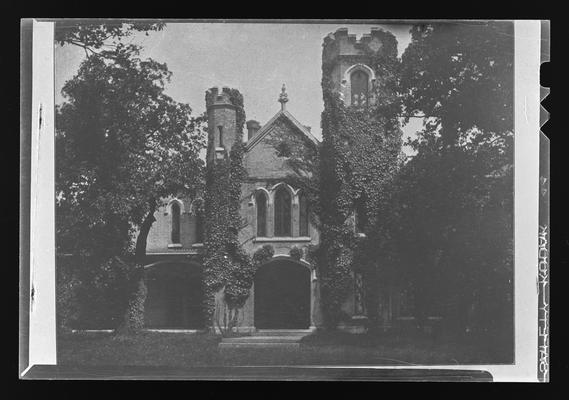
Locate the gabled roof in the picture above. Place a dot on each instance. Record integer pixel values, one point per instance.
(265, 129)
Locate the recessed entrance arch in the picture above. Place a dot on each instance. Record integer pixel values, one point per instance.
(174, 298)
(282, 296)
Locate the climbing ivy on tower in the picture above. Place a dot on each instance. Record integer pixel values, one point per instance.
(358, 157)
(226, 265)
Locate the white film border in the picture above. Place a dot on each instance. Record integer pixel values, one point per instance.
(42, 329)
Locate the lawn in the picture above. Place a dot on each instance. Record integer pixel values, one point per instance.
(200, 349)
(144, 349)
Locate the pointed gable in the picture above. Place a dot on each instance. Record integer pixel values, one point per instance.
(261, 159)
(285, 115)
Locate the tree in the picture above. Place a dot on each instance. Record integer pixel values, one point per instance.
(95, 36)
(450, 213)
(455, 73)
(123, 146)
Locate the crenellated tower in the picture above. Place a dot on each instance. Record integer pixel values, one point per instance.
(351, 63)
(361, 140)
(222, 123)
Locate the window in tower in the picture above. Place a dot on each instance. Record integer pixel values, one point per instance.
(220, 128)
(359, 82)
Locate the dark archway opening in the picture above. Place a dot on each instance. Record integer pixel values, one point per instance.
(174, 299)
(282, 296)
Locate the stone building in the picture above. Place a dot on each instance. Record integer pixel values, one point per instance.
(285, 292)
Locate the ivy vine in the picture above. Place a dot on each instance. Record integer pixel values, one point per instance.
(226, 264)
(359, 155)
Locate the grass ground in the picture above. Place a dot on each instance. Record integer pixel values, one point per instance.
(195, 350)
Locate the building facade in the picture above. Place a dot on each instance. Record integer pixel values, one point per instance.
(285, 292)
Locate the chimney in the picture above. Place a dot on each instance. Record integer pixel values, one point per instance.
(252, 128)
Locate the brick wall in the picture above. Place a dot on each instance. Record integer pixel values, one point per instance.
(159, 236)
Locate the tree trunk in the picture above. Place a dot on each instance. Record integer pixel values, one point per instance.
(140, 252)
(133, 320)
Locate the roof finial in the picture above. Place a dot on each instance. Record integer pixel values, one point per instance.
(283, 97)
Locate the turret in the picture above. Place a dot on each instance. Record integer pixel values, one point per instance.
(222, 123)
(350, 62)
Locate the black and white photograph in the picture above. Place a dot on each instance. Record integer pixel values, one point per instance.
(225, 194)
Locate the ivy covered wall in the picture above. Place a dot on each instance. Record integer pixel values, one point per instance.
(358, 157)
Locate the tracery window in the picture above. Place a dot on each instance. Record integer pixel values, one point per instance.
(303, 217)
(282, 212)
(199, 224)
(261, 201)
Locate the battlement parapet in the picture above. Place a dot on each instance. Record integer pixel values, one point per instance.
(343, 43)
(217, 97)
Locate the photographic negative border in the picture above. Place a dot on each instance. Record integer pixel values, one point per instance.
(39, 290)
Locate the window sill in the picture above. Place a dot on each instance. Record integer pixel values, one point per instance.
(411, 318)
(283, 239)
(175, 246)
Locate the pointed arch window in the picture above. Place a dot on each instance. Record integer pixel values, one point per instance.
(282, 212)
(199, 224)
(303, 217)
(261, 201)
(199, 228)
(359, 83)
(175, 233)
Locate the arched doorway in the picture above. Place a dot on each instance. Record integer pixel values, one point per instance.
(282, 296)
(174, 298)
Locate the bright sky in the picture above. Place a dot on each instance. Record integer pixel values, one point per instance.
(255, 58)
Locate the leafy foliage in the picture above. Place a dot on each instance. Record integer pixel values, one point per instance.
(94, 36)
(296, 253)
(123, 146)
(447, 226)
(456, 73)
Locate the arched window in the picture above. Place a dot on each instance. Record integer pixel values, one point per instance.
(198, 213)
(359, 86)
(303, 217)
(199, 228)
(175, 210)
(282, 212)
(261, 201)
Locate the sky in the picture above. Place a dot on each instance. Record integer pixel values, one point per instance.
(255, 58)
